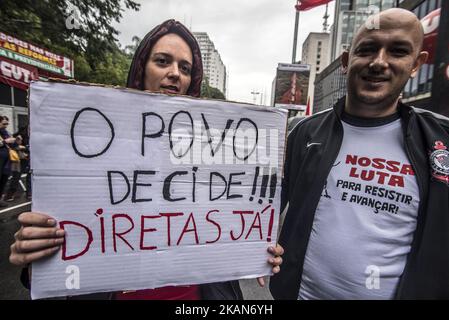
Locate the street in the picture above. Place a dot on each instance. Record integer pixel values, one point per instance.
(10, 285)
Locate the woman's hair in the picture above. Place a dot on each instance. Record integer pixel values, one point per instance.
(4, 118)
(136, 75)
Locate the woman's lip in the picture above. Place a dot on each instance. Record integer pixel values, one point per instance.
(170, 89)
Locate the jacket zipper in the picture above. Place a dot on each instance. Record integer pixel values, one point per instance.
(420, 208)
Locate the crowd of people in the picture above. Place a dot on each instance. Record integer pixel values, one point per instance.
(14, 161)
(341, 241)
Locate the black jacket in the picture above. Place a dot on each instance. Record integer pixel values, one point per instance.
(426, 274)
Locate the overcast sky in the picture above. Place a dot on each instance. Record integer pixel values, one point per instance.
(251, 36)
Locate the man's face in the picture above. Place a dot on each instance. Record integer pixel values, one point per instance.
(380, 64)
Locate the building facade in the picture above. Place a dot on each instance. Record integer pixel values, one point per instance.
(349, 15)
(214, 68)
(417, 91)
(315, 52)
(330, 85)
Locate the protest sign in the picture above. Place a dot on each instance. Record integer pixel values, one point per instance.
(152, 190)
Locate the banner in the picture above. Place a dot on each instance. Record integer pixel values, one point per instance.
(292, 85)
(152, 190)
(16, 74)
(18, 50)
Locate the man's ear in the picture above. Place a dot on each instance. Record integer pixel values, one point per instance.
(420, 60)
(344, 61)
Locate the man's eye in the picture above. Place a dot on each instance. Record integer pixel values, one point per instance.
(399, 52)
(365, 50)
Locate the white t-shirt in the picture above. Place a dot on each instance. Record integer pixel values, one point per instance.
(365, 220)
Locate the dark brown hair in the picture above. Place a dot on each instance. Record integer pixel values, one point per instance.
(136, 75)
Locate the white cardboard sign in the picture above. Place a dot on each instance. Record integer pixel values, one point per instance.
(152, 190)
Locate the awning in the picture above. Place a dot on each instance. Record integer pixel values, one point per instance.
(16, 74)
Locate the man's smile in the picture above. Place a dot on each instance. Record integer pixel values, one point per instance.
(375, 79)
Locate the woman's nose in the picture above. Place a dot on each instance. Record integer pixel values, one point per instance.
(174, 71)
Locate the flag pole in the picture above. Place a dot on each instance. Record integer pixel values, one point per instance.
(295, 37)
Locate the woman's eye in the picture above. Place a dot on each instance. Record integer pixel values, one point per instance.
(186, 69)
(162, 61)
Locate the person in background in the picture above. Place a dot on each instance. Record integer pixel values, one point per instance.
(6, 142)
(25, 163)
(16, 168)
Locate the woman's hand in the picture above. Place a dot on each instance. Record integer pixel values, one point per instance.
(275, 261)
(37, 238)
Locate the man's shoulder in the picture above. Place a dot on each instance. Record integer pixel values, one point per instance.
(427, 114)
(311, 120)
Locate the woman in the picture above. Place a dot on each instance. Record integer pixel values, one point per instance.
(16, 168)
(168, 60)
(6, 142)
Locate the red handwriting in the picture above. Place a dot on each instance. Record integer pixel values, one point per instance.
(126, 233)
(62, 225)
(215, 224)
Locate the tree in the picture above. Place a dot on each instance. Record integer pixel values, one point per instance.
(210, 92)
(113, 69)
(132, 48)
(88, 38)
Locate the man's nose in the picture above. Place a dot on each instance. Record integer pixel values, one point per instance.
(380, 60)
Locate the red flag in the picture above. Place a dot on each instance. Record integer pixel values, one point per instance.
(308, 111)
(303, 5)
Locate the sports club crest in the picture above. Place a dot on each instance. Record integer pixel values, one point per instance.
(439, 162)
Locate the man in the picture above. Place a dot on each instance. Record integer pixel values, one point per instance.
(367, 182)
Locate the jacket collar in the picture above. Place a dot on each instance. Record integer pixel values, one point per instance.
(405, 112)
(339, 107)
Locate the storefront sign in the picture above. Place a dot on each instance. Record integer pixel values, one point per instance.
(18, 50)
(16, 74)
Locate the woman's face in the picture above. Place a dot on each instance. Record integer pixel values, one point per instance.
(4, 124)
(169, 66)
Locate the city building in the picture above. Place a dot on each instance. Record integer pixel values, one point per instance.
(349, 15)
(417, 91)
(315, 52)
(20, 63)
(330, 85)
(214, 68)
